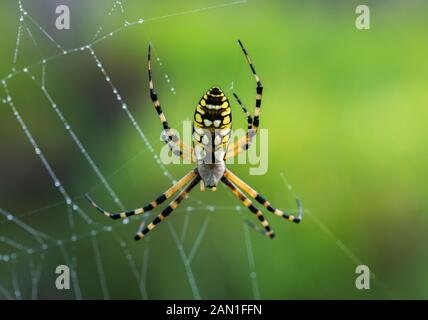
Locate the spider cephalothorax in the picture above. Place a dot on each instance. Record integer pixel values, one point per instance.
(211, 135)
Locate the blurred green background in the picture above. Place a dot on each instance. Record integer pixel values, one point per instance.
(346, 111)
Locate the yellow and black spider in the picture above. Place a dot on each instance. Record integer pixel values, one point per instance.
(211, 134)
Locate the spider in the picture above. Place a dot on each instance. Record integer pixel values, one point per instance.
(210, 139)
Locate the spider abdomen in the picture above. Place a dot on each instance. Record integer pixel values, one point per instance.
(213, 110)
(211, 127)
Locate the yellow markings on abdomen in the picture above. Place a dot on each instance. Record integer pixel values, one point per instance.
(225, 112)
(198, 118)
(212, 125)
(226, 120)
(200, 110)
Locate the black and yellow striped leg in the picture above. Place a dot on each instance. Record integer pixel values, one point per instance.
(259, 198)
(247, 114)
(167, 194)
(142, 231)
(171, 139)
(244, 143)
(241, 145)
(247, 202)
(259, 88)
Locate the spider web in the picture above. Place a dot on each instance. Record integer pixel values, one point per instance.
(22, 263)
(36, 254)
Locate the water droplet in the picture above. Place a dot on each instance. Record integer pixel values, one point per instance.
(9, 217)
(140, 20)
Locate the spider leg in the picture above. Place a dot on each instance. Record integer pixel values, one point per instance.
(245, 141)
(255, 227)
(167, 194)
(259, 198)
(171, 139)
(259, 88)
(247, 202)
(142, 231)
(244, 109)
